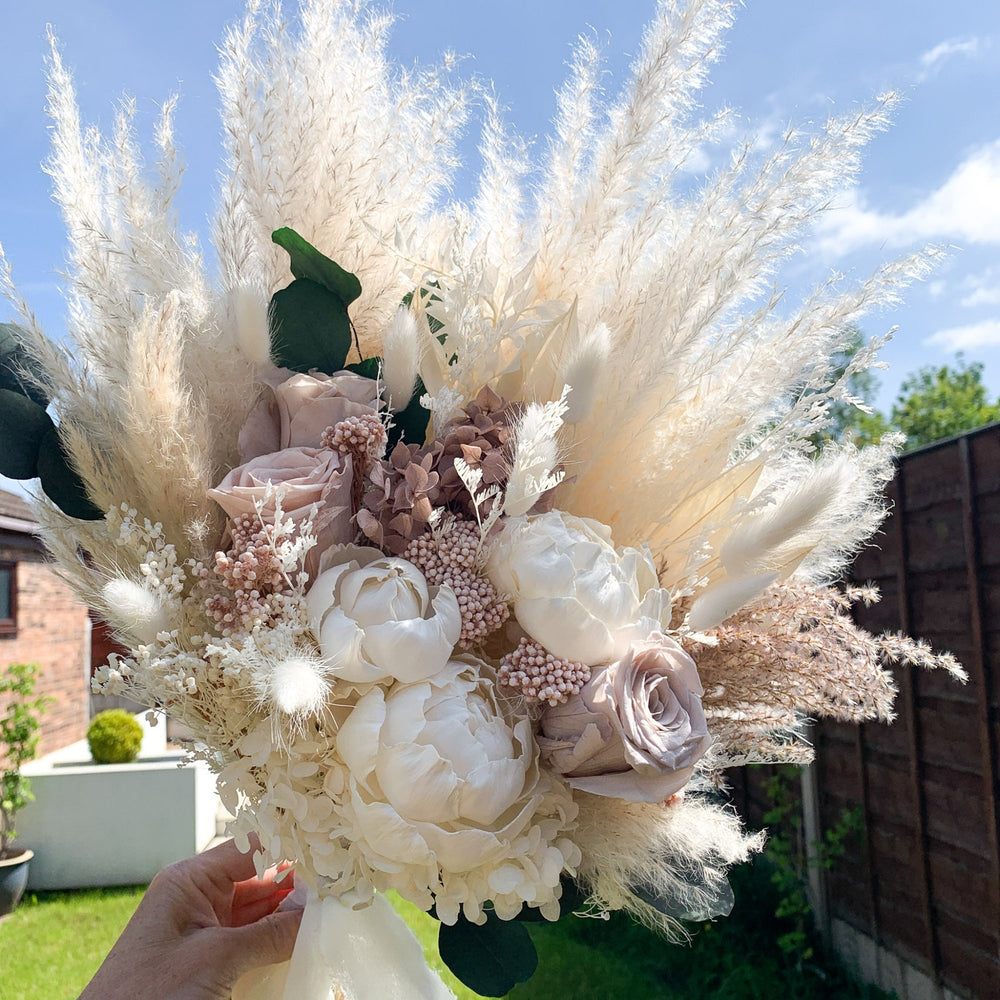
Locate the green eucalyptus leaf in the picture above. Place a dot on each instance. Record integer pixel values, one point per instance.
(61, 482)
(14, 361)
(369, 368)
(308, 262)
(23, 426)
(490, 958)
(410, 424)
(310, 328)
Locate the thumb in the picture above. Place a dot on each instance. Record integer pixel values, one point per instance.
(264, 942)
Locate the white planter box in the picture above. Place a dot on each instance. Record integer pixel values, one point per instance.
(114, 824)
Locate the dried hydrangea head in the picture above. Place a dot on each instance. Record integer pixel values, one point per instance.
(402, 503)
(414, 480)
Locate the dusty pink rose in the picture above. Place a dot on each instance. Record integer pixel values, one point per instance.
(636, 729)
(310, 479)
(295, 409)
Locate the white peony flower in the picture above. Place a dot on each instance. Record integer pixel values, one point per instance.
(442, 786)
(572, 591)
(376, 618)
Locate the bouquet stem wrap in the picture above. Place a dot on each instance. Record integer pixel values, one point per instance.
(345, 954)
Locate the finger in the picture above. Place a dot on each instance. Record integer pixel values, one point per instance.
(227, 861)
(270, 939)
(257, 888)
(248, 913)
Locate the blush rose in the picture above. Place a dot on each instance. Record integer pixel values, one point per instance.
(308, 480)
(635, 730)
(295, 409)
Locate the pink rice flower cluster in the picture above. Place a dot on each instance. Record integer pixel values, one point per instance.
(363, 436)
(541, 676)
(252, 574)
(450, 560)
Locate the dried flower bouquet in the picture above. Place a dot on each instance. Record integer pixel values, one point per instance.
(470, 541)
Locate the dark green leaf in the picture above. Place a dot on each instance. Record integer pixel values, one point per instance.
(308, 262)
(432, 321)
(369, 368)
(23, 426)
(310, 328)
(410, 424)
(490, 959)
(14, 361)
(61, 482)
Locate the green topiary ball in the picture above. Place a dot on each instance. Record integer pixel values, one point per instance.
(114, 737)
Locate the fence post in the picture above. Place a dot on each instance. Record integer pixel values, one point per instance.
(816, 872)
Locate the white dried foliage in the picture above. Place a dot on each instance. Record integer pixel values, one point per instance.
(536, 455)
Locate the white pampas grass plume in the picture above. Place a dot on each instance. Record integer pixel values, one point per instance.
(583, 373)
(722, 600)
(134, 608)
(248, 307)
(536, 454)
(297, 686)
(677, 852)
(401, 358)
(817, 496)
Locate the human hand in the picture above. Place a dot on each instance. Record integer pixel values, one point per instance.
(202, 923)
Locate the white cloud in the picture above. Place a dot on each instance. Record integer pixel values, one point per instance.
(965, 208)
(982, 296)
(980, 289)
(969, 337)
(933, 59)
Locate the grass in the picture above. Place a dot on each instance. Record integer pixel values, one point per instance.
(52, 944)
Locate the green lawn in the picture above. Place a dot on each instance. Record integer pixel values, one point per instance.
(50, 946)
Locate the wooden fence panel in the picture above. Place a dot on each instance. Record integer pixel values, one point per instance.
(924, 879)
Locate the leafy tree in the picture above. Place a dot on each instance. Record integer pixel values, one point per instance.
(937, 402)
(933, 402)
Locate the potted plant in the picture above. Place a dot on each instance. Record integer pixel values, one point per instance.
(19, 732)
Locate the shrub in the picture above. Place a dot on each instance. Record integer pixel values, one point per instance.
(114, 737)
(19, 731)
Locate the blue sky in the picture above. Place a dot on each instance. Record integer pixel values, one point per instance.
(934, 177)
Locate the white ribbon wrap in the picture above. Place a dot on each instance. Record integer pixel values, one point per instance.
(345, 954)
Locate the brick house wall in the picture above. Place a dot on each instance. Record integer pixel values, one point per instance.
(50, 628)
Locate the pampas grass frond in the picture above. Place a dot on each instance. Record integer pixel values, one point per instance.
(678, 852)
